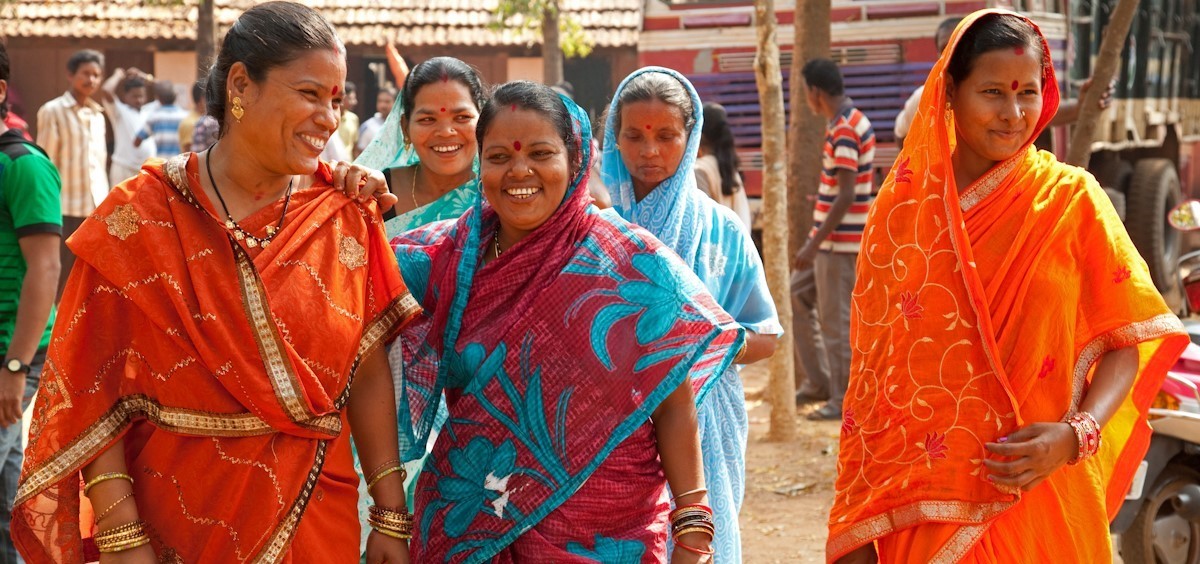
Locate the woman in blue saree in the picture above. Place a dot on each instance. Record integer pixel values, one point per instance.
(650, 146)
(571, 347)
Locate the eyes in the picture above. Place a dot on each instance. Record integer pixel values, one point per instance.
(312, 95)
(501, 157)
(663, 135)
(463, 118)
(1000, 92)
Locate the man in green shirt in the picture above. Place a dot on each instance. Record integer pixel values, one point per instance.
(30, 230)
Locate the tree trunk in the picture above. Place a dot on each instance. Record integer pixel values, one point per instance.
(776, 258)
(806, 139)
(552, 56)
(206, 37)
(1107, 61)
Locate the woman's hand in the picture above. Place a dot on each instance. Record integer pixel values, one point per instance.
(685, 556)
(1033, 453)
(359, 183)
(382, 549)
(140, 555)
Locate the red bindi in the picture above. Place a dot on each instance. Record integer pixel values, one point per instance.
(1015, 85)
(335, 90)
(1019, 51)
(513, 108)
(516, 145)
(443, 110)
(647, 128)
(445, 77)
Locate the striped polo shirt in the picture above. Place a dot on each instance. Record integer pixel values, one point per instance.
(849, 144)
(73, 137)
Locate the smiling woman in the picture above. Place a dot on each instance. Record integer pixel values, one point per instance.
(188, 376)
(569, 346)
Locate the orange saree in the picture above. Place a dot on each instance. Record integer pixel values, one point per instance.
(223, 369)
(978, 311)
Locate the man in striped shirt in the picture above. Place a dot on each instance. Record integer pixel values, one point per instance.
(71, 130)
(843, 198)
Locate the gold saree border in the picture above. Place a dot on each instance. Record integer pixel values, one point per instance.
(900, 518)
(110, 426)
(979, 190)
(1156, 327)
(281, 539)
(401, 309)
(960, 544)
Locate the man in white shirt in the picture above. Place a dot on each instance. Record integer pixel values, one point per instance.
(383, 107)
(123, 95)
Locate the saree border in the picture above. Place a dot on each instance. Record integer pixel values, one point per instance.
(979, 190)
(385, 325)
(1135, 333)
(973, 515)
(108, 427)
(281, 540)
(960, 544)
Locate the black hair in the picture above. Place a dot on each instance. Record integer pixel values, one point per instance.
(443, 68)
(718, 137)
(82, 57)
(131, 83)
(4, 70)
(350, 88)
(539, 99)
(947, 26)
(990, 33)
(164, 92)
(656, 86)
(269, 35)
(198, 92)
(824, 75)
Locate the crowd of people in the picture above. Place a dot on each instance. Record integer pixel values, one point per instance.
(494, 331)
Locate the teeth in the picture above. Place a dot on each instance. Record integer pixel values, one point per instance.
(314, 141)
(523, 192)
(446, 148)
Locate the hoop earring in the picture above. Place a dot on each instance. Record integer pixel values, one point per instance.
(237, 110)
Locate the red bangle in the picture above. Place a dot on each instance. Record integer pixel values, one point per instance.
(708, 552)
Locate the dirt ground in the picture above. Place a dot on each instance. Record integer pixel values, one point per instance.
(789, 486)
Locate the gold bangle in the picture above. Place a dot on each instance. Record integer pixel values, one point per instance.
(377, 477)
(395, 535)
(130, 526)
(384, 465)
(140, 541)
(101, 516)
(105, 477)
(741, 352)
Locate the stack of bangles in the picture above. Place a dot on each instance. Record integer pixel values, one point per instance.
(386, 469)
(1087, 433)
(125, 537)
(692, 518)
(390, 522)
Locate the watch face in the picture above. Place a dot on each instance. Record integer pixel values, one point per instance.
(13, 365)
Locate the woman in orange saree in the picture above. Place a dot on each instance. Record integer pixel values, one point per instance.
(998, 298)
(201, 379)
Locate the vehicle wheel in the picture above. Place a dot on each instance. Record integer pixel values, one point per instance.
(1158, 534)
(1153, 191)
(1118, 202)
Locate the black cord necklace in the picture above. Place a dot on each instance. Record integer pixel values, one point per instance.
(239, 233)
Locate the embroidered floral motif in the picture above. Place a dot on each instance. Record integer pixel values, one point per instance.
(849, 425)
(903, 173)
(909, 307)
(351, 253)
(1047, 368)
(123, 222)
(935, 445)
(1121, 274)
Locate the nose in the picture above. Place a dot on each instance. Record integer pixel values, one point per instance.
(649, 149)
(328, 118)
(520, 168)
(1012, 110)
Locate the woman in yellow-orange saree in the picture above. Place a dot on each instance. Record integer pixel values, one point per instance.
(999, 303)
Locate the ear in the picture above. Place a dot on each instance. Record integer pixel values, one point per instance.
(238, 83)
(3, 91)
(404, 125)
(950, 89)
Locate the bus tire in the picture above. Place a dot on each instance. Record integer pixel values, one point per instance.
(1153, 191)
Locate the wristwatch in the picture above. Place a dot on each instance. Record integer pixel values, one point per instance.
(16, 366)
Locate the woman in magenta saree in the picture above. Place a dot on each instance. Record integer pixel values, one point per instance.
(563, 354)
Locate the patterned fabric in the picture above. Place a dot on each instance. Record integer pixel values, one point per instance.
(977, 311)
(552, 357)
(73, 137)
(713, 243)
(849, 145)
(192, 350)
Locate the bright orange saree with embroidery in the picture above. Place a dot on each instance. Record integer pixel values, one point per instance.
(978, 311)
(224, 370)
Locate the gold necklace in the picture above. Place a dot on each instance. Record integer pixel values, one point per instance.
(414, 186)
(239, 233)
(496, 240)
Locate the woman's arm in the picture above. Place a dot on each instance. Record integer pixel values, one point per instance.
(113, 501)
(1037, 450)
(678, 434)
(372, 414)
(757, 348)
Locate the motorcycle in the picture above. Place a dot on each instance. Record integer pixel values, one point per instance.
(1159, 522)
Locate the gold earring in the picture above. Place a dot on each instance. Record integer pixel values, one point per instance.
(237, 110)
(949, 115)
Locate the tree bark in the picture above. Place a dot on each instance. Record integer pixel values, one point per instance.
(1107, 60)
(776, 258)
(206, 37)
(552, 56)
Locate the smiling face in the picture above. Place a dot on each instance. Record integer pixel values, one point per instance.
(292, 113)
(441, 126)
(524, 170)
(996, 107)
(652, 140)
